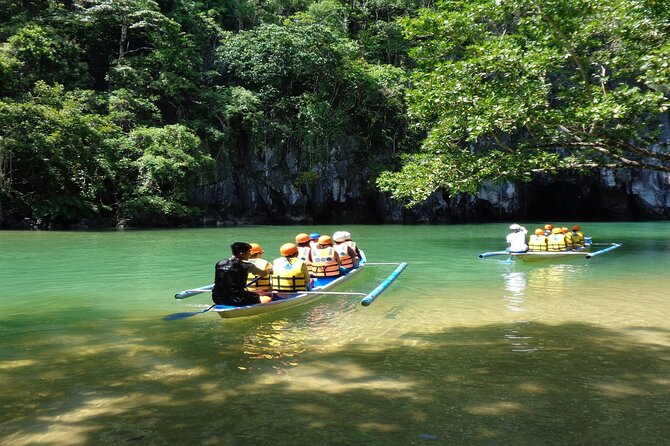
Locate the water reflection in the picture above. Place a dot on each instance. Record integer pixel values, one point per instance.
(536, 283)
(554, 280)
(515, 283)
(278, 343)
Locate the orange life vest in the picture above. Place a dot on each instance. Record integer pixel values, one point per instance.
(346, 260)
(324, 263)
(303, 253)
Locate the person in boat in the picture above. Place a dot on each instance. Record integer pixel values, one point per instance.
(304, 247)
(314, 239)
(577, 238)
(256, 257)
(289, 272)
(348, 257)
(516, 240)
(353, 244)
(547, 229)
(556, 241)
(568, 238)
(231, 275)
(325, 260)
(537, 241)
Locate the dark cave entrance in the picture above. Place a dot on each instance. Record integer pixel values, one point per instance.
(558, 201)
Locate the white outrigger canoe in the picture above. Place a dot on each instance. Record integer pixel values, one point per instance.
(536, 256)
(322, 286)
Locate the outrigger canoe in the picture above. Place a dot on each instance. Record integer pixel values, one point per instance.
(536, 256)
(322, 286)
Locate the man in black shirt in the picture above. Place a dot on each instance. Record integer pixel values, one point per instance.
(231, 275)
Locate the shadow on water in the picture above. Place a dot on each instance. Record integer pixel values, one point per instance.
(210, 383)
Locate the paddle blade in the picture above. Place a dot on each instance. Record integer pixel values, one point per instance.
(177, 316)
(184, 315)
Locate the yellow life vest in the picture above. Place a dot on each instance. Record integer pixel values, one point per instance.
(346, 260)
(324, 263)
(287, 275)
(537, 243)
(556, 242)
(577, 240)
(263, 283)
(568, 240)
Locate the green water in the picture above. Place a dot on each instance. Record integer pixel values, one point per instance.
(459, 351)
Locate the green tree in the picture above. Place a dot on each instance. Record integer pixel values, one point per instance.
(126, 16)
(159, 168)
(41, 53)
(55, 153)
(505, 89)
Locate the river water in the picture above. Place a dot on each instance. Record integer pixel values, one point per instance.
(458, 351)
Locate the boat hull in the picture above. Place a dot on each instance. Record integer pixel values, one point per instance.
(544, 256)
(292, 300)
(537, 256)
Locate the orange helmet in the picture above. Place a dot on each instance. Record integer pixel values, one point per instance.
(539, 231)
(325, 240)
(556, 231)
(288, 249)
(302, 238)
(576, 228)
(564, 229)
(549, 227)
(256, 248)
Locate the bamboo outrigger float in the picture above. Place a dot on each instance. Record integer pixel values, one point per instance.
(535, 256)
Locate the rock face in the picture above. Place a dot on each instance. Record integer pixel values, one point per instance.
(267, 194)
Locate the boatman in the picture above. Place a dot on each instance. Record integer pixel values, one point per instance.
(516, 240)
(230, 278)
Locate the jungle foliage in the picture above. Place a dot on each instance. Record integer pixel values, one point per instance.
(115, 108)
(506, 89)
